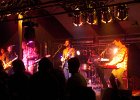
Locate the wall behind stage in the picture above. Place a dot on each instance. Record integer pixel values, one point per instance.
(134, 66)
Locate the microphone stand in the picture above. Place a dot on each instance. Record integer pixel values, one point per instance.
(57, 51)
(103, 52)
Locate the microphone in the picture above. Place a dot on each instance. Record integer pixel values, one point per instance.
(64, 44)
(61, 45)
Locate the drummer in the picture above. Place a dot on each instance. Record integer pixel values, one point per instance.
(93, 61)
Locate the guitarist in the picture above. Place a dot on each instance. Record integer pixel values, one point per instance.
(10, 55)
(68, 53)
(3, 56)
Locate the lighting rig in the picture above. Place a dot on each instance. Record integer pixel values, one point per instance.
(96, 11)
(82, 11)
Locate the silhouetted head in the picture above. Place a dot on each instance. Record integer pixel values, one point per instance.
(1, 65)
(73, 65)
(45, 64)
(18, 66)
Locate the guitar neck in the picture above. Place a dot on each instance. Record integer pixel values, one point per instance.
(9, 63)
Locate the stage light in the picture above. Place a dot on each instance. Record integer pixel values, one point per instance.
(106, 15)
(78, 52)
(122, 12)
(77, 17)
(91, 17)
(115, 50)
(8, 14)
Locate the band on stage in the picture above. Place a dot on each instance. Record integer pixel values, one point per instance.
(29, 56)
(93, 68)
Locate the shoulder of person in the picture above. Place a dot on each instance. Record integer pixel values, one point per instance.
(64, 50)
(124, 48)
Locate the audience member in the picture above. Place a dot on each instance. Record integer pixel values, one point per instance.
(19, 81)
(4, 92)
(76, 80)
(43, 84)
(59, 74)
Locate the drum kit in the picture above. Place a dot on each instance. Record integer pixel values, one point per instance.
(89, 72)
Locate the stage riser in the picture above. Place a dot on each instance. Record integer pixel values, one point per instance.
(112, 94)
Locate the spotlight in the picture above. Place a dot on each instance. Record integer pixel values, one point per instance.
(121, 12)
(106, 15)
(77, 18)
(78, 52)
(115, 50)
(91, 17)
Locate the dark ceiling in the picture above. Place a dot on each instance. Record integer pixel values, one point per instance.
(61, 10)
(55, 16)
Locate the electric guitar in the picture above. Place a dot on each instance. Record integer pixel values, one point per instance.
(8, 64)
(67, 56)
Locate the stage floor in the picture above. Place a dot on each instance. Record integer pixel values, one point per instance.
(98, 90)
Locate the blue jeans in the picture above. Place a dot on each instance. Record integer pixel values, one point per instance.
(66, 71)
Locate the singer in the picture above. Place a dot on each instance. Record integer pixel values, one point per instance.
(68, 53)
